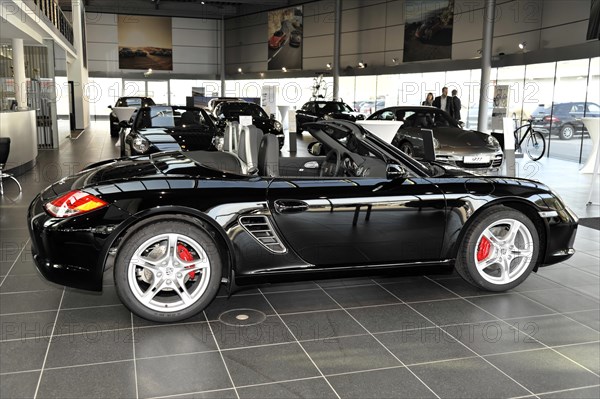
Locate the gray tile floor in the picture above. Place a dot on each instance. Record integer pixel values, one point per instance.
(425, 336)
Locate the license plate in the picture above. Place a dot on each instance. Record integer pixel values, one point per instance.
(477, 159)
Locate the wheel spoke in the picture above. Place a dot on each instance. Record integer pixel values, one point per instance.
(513, 230)
(183, 292)
(192, 266)
(172, 246)
(495, 240)
(156, 286)
(522, 253)
(505, 270)
(145, 263)
(486, 263)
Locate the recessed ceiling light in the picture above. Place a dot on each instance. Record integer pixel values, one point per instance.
(522, 45)
(284, 69)
(328, 65)
(239, 70)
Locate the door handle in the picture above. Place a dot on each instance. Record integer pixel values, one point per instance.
(290, 206)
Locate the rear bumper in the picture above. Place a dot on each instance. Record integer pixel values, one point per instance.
(562, 230)
(63, 254)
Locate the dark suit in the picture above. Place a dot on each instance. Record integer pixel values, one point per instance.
(457, 107)
(437, 102)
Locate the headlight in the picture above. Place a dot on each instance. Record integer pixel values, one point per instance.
(328, 117)
(277, 125)
(140, 144)
(492, 142)
(436, 144)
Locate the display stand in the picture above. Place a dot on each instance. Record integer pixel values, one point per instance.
(509, 147)
(592, 165)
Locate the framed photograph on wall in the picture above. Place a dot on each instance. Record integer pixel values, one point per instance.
(285, 38)
(428, 30)
(145, 42)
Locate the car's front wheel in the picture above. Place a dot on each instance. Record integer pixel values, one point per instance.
(168, 271)
(499, 249)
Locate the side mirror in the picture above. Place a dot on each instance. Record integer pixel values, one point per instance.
(461, 124)
(315, 148)
(394, 171)
(110, 107)
(272, 116)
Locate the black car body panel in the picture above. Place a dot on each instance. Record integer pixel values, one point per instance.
(315, 225)
(314, 111)
(173, 133)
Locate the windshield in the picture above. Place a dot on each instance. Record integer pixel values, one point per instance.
(170, 117)
(330, 107)
(234, 110)
(134, 102)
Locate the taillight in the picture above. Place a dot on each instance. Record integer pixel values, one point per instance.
(74, 203)
(552, 119)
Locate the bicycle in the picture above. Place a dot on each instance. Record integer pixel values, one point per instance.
(535, 144)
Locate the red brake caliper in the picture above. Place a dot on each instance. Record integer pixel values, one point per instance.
(186, 256)
(483, 250)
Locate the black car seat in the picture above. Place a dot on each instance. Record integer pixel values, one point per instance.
(268, 156)
(249, 143)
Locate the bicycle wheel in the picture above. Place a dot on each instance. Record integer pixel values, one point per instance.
(535, 145)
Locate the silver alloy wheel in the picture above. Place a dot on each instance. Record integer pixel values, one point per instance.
(567, 132)
(508, 254)
(161, 280)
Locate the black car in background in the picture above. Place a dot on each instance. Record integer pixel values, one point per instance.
(172, 229)
(169, 128)
(564, 119)
(136, 102)
(230, 111)
(314, 111)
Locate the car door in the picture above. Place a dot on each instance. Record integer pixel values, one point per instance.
(305, 114)
(333, 222)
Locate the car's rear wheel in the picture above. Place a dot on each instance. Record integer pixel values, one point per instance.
(499, 249)
(168, 271)
(407, 148)
(566, 132)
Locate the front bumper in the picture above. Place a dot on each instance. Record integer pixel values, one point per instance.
(63, 253)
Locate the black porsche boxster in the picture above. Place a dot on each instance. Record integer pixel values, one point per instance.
(169, 128)
(174, 229)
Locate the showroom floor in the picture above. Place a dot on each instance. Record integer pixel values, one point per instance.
(430, 336)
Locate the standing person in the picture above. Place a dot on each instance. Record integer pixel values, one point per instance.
(428, 100)
(457, 105)
(444, 102)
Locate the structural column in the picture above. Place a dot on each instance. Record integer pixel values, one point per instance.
(77, 71)
(336, 49)
(222, 58)
(18, 54)
(486, 64)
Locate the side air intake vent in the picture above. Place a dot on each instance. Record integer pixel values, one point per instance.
(260, 228)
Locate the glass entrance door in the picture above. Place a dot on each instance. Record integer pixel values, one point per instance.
(158, 90)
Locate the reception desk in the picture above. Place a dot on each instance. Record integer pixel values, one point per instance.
(20, 126)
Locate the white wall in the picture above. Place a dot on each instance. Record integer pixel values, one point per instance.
(373, 31)
(195, 46)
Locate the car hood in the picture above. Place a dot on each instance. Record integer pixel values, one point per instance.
(126, 173)
(459, 141)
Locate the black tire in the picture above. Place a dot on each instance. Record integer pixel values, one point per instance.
(466, 257)
(139, 238)
(407, 148)
(535, 146)
(567, 131)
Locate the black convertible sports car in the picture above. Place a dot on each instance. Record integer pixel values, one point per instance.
(174, 229)
(169, 128)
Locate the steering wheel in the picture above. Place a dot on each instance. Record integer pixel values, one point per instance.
(332, 165)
